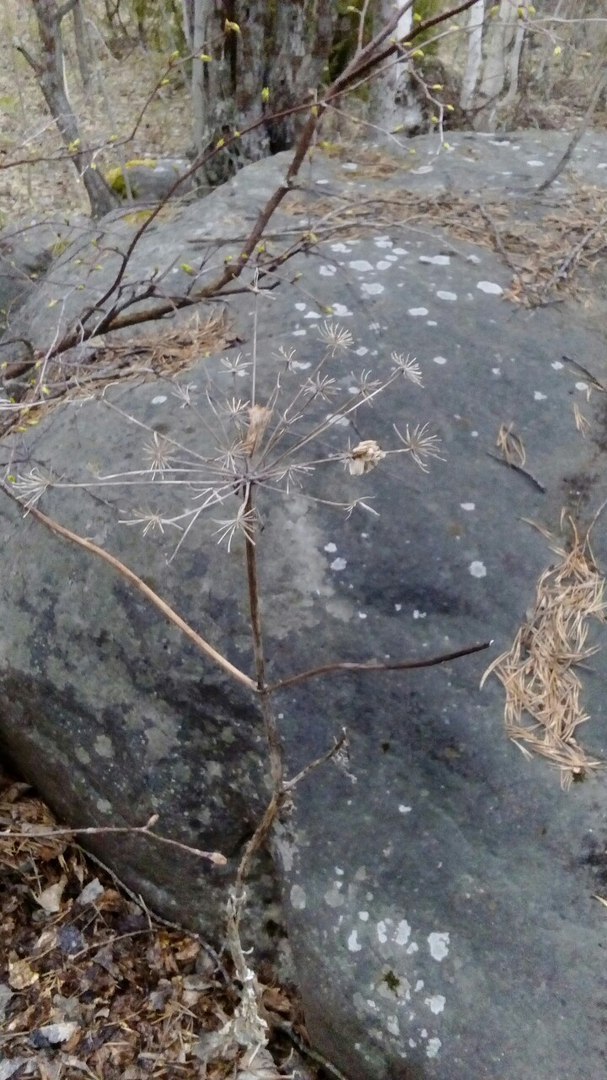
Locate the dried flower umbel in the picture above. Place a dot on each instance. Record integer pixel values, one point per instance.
(261, 443)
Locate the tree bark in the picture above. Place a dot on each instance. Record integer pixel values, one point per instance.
(266, 58)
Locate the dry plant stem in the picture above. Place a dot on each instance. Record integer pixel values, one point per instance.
(123, 830)
(375, 666)
(578, 134)
(133, 579)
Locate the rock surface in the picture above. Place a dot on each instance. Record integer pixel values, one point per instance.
(439, 893)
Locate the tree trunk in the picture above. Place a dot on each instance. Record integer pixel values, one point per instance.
(500, 38)
(476, 16)
(50, 73)
(83, 44)
(266, 58)
(393, 105)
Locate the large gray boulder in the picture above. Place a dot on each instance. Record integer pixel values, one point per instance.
(438, 892)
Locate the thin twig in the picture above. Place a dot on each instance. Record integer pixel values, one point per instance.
(581, 128)
(569, 261)
(580, 367)
(337, 745)
(371, 666)
(125, 830)
(519, 469)
(134, 579)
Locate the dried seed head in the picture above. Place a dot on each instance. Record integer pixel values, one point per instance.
(336, 337)
(364, 457)
(407, 367)
(259, 418)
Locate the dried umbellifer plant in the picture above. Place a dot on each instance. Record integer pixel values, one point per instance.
(264, 446)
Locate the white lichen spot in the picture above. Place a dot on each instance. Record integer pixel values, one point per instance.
(401, 251)
(478, 569)
(444, 294)
(350, 166)
(535, 164)
(417, 312)
(372, 288)
(412, 948)
(159, 399)
(473, 259)
(435, 260)
(339, 872)
(419, 614)
(538, 396)
(383, 264)
(354, 944)
(581, 385)
(491, 288)
(313, 315)
(360, 265)
(418, 986)
(333, 897)
(440, 360)
(327, 271)
(339, 564)
(412, 1043)
(383, 242)
(474, 434)
(83, 755)
(392, 1025)
(330, 547)
(403, 932)
(341, 249)
(298, 897)
(496, 371)
(398, 607)
(433, 1047)
(422, 170)
(436, 1003)
(363, 916)
(103, 746)
(299, 333)
(382, 932)
(556, 364)
(464, 506)
(404, 809)
(300, 306)
(340, 311)
(362, 614)
(361, 351)
(438, 943)
(103, 806)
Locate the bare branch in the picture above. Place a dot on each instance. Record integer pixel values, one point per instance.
(371, 666)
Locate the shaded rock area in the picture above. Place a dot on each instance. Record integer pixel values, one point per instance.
(439, 893)
(27, 249)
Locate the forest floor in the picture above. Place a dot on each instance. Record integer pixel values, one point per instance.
(92, 984)
(135, 105)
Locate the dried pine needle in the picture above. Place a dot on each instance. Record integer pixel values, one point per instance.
(543, 706)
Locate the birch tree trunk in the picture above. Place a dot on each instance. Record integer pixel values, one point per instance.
(49, 69)
(474, 60)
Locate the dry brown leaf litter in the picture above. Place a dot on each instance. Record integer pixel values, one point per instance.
(539, 671)
(92, 985)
